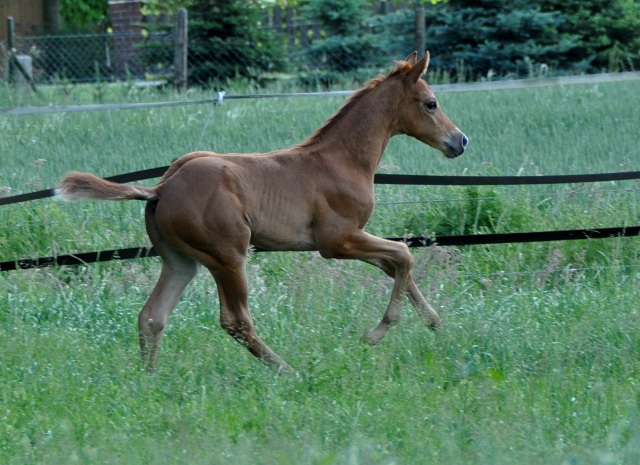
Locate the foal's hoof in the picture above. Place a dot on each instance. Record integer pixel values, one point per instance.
(432, 320)
(287, 372)
(435, 323)
(373, 336)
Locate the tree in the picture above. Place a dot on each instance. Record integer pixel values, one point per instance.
(346, 47)
(522, 36)
(82, 15)
(498, 37)
(225, 40)
(607, 31)
(340, 17)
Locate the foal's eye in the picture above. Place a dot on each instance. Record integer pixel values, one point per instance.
(431, 105)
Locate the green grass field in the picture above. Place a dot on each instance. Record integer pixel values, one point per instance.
(537, 363)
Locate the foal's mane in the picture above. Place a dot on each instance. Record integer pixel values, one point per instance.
(402, 68)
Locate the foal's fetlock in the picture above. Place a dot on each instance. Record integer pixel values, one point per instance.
(375, 335)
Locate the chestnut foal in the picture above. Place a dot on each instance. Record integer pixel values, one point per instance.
(210, 208)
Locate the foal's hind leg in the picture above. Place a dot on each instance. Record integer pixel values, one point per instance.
(428, 315)
(177, 272)
(235, 316)
(226, 260)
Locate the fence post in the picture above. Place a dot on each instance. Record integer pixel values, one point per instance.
(180, 54)
(10, 42)
(266, 19)
(51, 14)
(291, 29)
(420, 30)
(277, 18)
(304, 36)
(315, 30)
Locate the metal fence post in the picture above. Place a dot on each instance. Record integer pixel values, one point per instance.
(51, 13)
(277, 18)
(180, 54)
(420, 30)
(291, 29)
(10, 41)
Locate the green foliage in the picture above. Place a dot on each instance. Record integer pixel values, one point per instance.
(500, 37)
(497, 36)
(225, 41)
(76, 57)
(164, 6)
(476, 210)
(82, 15)
(346, 47)
(339, 17)
(344, 53)
(607, 32)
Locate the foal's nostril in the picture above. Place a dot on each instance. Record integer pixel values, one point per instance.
(465, 141)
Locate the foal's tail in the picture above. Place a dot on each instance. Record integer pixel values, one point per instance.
(77, 185)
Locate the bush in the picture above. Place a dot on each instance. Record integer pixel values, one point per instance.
(482, 210)
(225, 40)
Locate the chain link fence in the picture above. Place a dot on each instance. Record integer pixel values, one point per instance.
(73, 58)
(294, 50)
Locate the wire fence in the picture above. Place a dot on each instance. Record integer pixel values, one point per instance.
(73, 58)
(292, 49)
(110, 57)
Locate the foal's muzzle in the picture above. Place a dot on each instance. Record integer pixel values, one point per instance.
(456, 145)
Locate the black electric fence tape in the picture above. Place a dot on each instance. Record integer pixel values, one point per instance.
(390, 179)
(79, 259)
(459, 240)
(467, 239)
(420, 180)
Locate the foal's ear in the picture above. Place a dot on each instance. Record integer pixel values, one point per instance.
(418, 68)
(411, 59)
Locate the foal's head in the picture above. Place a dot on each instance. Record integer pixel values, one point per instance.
(420, 113)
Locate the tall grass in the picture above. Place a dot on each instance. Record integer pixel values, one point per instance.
(537, 362)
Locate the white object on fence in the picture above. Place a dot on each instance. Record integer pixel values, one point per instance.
(27, 64)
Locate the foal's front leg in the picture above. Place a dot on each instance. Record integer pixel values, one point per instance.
(371, 249)
(428, 315)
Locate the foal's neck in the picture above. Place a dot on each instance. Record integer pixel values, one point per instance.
(361, 133)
